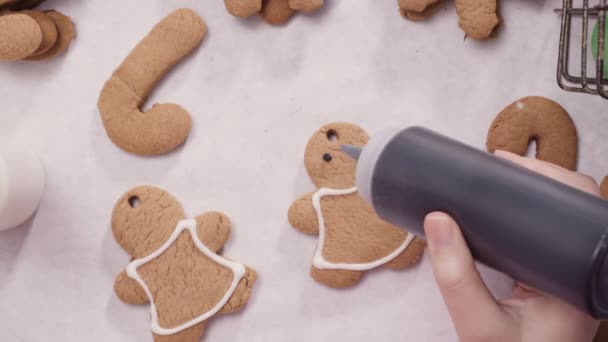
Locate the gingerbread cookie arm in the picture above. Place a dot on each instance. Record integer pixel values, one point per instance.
(306, 6)
(192, 334)
(241, 295)
(213, 229)
(477, 18)
(128, 290)
(303, 216)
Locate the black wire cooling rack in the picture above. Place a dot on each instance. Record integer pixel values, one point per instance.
(578, 69)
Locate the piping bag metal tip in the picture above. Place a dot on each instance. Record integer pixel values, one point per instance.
(352, 151)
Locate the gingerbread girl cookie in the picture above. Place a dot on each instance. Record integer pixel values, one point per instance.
(352, 238)
(175, 266)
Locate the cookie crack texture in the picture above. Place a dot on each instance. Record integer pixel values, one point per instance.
(164, 126)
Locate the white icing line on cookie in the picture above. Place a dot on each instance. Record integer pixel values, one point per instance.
(237, 269)
(320, 262)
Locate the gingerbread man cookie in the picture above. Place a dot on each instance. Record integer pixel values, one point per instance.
(275, 12)
(352, 238)
(175, 266)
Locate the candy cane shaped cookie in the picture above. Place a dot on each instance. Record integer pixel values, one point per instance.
(536, 118)
(164, 126)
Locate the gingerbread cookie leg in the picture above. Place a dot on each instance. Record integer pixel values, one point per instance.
(192, 334)
(409, 257)
(302, 215)
(241, 295)
(128, 290)
(336, 278)
(276, 12)
(477, 18)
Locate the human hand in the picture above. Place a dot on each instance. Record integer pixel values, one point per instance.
(526, 316)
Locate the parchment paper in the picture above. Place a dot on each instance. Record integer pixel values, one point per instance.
(256, 93)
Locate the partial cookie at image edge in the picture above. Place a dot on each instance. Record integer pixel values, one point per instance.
(66, 33)
(48, 28)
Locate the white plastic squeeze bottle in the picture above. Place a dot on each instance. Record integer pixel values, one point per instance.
(21, 185)
(539, 231)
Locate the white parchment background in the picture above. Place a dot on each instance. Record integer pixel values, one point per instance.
(256, 93)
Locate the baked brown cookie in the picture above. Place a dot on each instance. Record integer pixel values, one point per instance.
(243, 8)
(421, 16)
(477, 18)
(604, 188)
(416, 5)
(175, 266)
(17, 5)
(602, 333)
(352, 238)
(48, 28)
(275, 12)
(20, 36)
(164, 126)
(306, 6)
(536, 118)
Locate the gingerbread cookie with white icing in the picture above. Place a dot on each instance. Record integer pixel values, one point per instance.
(175, 265)
(352, 238)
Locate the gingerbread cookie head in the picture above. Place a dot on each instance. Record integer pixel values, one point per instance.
(326, 164)
(175, 264)
(144, 218)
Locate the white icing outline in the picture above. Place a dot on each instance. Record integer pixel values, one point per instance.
(320, 262)
(190, 225)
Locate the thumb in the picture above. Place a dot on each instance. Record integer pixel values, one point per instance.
(475, 313)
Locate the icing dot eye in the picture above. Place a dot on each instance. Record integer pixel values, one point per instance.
(327, 157)
(332, 135)
(134, 201)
